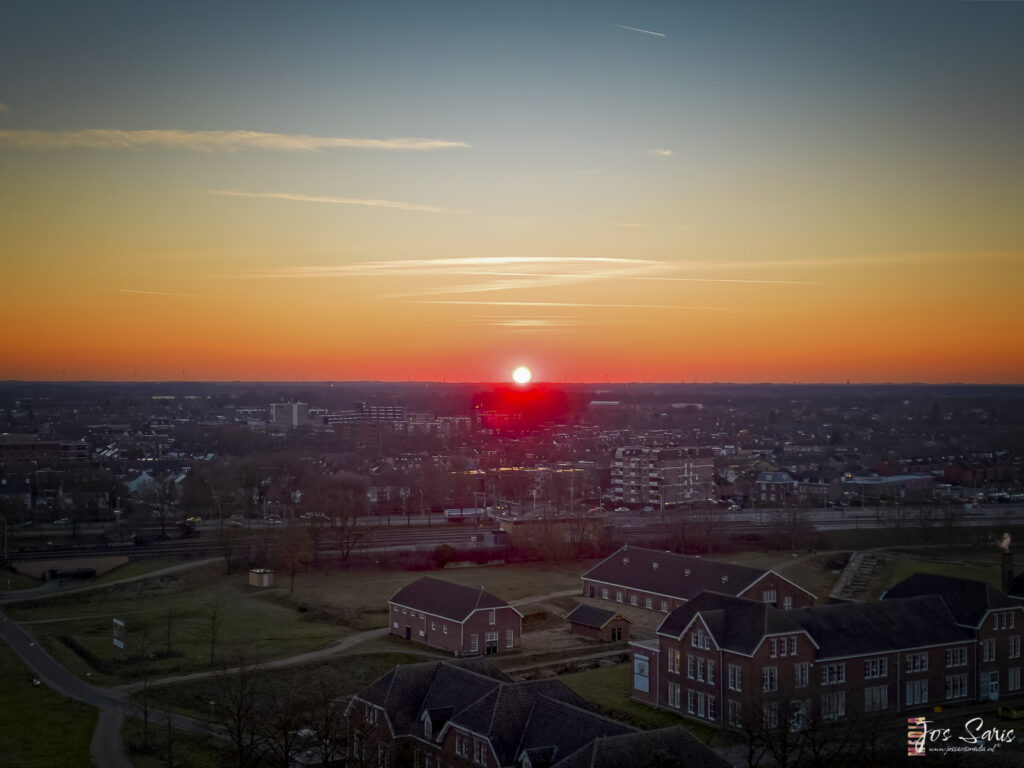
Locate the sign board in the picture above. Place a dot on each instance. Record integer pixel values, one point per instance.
(119, 634)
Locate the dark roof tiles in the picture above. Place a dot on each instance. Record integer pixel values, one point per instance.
(445, 598)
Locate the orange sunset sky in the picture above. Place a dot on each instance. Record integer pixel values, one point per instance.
(600, 191)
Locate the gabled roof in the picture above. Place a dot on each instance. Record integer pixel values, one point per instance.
(967, 600)
(409, 689)
(669, 747)
(592, 616)
(445, 598)
(735, 623)
(560, 724)
(853, 629)
(666, 573)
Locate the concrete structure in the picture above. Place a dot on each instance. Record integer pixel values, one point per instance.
(261, 577)
(289, 415)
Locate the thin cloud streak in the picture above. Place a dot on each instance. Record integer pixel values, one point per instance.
(662, 152)
(573, 304)
(367, 202)
(165, 293)
(638, 29)
(4, 107)
(726, 280)
(471, 265)
(207, 141)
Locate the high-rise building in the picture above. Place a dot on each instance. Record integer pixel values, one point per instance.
(656, 476)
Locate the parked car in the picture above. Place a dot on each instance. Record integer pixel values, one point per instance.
(63, 521)
(236, 524)
(194, 520)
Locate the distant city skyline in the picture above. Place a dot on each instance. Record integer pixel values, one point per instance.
(745, 192)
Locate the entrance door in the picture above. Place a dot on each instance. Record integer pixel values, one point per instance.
(993, 685)
(408, 633)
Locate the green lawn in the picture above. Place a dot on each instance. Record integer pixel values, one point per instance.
(187, 748)
(128, 570)
(40, 728)
(345, 674)
(608, 688)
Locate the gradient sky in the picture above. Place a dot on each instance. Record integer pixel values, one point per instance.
(600, 191)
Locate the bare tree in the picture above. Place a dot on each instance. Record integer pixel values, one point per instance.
(234, 707)
(214, 612)
(283, 713)
(294, 552)
(327, 720)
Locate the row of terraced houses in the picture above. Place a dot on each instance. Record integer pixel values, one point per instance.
(740, 642)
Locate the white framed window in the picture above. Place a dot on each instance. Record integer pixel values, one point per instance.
(648, 603)
(876, 668)
(833, 705)
(673, 695)
(770, 714)
(691, 701)
(735, 713)
(802, 675)
(461, 745)
(917, 692)
(769, 596)
(773, 648)
(1013, 679)
(474, 643)
(618, 595)
(712, 708)
(444, 629)
(956, 686)
(1014, 647)
(701, 705)
(700, 639)
(915, 662)
(701, 667)
(711, 672)
(664, 606)
(433, 626)
(510, 638)
(792, 646)
(787, 602)
(988, 648)
(833, 674)
(735, 678)
(956, 657)
(604, 592)
(491, 617)
(691, 666)
(370, 714)
(634, 599)
(673, 660)
(770, 679)
(479, 752)
(876, 698)
(492, 637)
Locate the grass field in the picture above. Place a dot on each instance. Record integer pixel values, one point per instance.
(187, 748)
(345, 674)
(905, 565)
(270, 623)
(128, 570)
(608, 688)
(40, 728)
(11, 580)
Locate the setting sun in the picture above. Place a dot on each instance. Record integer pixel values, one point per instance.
(521, 375)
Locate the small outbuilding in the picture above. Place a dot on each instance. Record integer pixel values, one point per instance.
(261, 577)
(598, 624)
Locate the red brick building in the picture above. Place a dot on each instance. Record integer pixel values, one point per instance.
(598, 624)
(663, 581)
(996, 621)
(467, 714)
(725, 660)
(465, 621)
